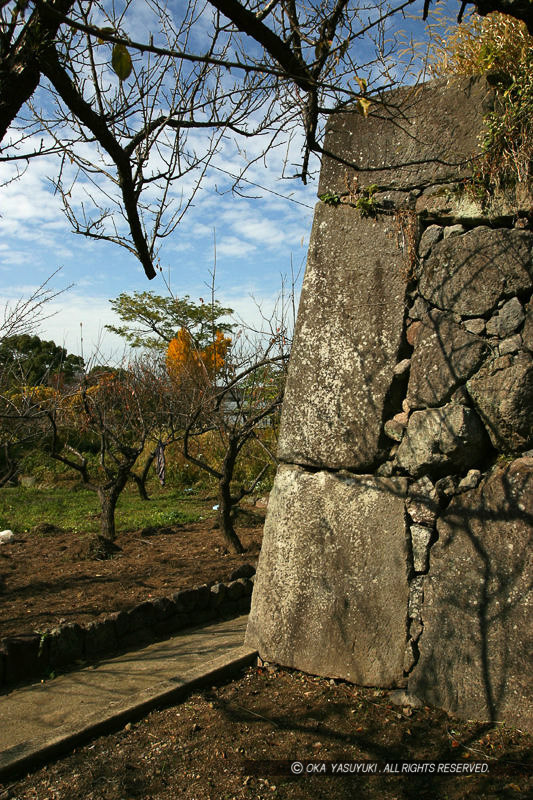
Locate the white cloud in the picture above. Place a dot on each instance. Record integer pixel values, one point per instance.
(229, 246)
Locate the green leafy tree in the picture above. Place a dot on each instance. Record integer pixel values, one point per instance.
(152, 321)
(27, 359)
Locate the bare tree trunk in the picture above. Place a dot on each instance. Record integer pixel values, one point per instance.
(10, 467)
(108, 502)
(140, 482)
(19, 64)
(233, 542)
(104, 545)
(141, 479)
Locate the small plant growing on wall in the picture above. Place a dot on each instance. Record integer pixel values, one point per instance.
(360, 197)
(365, 203)
(330, 198)
(502, 48)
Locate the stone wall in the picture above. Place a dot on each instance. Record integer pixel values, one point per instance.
(397, 546)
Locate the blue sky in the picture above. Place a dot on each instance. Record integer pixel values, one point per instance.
(257, 240)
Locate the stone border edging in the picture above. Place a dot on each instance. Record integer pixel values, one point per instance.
(31, 656)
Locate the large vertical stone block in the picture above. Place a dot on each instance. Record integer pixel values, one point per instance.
(477, 644)
(331, 589)
(346, 343)
(435, 141)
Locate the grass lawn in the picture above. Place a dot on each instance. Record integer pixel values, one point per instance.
(76, 508)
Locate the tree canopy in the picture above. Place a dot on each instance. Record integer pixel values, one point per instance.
(32, 361)
(186, 363)
(153, 321)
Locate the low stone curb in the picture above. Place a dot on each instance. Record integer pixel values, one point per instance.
(30, 754)
(32, 656)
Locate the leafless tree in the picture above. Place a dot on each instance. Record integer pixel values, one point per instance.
(120, 409)
(21, 409)
(27, 313)
(235, 410)
(137, 118)
(233, 401)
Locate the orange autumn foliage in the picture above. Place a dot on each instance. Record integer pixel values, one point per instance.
(185, 361)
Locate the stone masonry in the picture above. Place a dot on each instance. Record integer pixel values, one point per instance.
(398, 540)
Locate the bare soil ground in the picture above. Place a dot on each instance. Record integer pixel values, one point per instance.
(46, 579)
(214, 745)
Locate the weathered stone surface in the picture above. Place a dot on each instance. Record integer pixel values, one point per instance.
(416, 599)
(446, 487)
(401, 698)
(420, 538)
(468, 274)
(438, 202)
(100, 638)
(331, 589)
(470, 481)
(503, 394)
(169, 624)
(346, 343)
(475, 651)
(402, 367)
(416, 630)
(3, 657)
(511, 345)
(440, 440)
(422, 504)
(202, 596)
(461, 396)
(507, 320)
(527, 330)
(419, 308)
(409, 658)
(141, 616)
(445, 355)
(186, 599)
(217, 594)
(453, 230)
(402, 418)
(66, 644)
(26, 656)
(385, 470)
(413, 332)
(235, 589)
(121, 620)
(394, 430)
(431, 236)
(422, 149)
(164, 607)
(476, 325)
(244, 571)
(451, 203)
(392, 199)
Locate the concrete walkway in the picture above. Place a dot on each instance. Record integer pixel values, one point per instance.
(44, 719)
